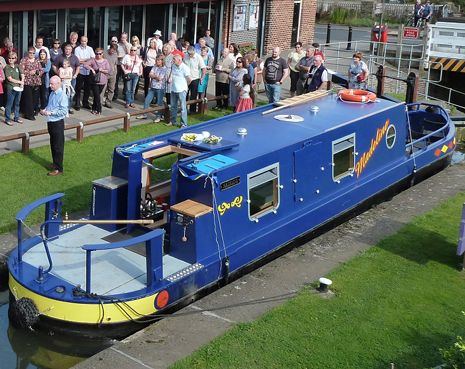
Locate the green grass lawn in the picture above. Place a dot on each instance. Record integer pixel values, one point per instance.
(398, 302)
(25, 177)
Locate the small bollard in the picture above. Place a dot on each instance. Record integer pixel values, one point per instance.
(349, 39)
(328, 34)
(324, 283)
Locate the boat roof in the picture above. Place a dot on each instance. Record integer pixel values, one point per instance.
(265, 128)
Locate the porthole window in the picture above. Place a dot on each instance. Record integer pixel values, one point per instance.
(391, 136)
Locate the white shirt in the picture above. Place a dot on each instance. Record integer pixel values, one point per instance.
(84, 53)
(195, 64)
(179, 77)
(42, 48)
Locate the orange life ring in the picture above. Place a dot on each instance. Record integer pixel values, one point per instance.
(356, 96)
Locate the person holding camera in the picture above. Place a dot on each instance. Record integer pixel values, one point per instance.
(317, 75)
(358, 73)
(32, 79)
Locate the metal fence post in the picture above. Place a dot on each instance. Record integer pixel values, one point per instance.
(349, 39)
(328, 34)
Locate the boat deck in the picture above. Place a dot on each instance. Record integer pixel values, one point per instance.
(114, 271)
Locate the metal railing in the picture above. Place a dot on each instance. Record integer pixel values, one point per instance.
(338, 58)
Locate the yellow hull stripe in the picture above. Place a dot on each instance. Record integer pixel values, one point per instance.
(85, 313)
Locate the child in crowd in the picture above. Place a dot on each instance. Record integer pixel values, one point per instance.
(66, 75)
(245, 101)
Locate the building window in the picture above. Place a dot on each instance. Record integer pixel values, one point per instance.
(46, 26)
(343, 157)
(391, 136)
(263, 187)
(76, 22)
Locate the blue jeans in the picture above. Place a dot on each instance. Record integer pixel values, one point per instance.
(12, 96)
(131, 88)
(273, 92)
(159, 93)
(181, 98)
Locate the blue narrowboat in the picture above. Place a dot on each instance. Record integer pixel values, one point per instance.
(187, 211)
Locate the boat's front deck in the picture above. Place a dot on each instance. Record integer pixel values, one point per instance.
(114, 271)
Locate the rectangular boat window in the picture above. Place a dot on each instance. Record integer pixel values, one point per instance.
(263, 186)
(343, 156)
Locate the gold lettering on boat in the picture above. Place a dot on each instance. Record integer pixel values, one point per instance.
(237, 202)
(380, 132)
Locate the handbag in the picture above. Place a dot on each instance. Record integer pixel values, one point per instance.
(128, 76)
(361, 77)
(94, 77)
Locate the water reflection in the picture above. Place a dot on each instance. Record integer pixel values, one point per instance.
(27, 349)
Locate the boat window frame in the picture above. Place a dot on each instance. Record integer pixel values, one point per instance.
(388, 136)
(253, 182)
(350, 170)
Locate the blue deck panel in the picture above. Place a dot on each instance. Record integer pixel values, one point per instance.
(266, 134)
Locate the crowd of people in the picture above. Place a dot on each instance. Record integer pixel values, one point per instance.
(173, 72)
(85, 72)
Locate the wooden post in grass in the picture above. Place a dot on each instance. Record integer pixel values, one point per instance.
(25, 143)
(127, 122)
(167, 115)
(203, 108)
(80, 132)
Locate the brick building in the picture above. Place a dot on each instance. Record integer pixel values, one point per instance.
(261, 23)
(277, 23)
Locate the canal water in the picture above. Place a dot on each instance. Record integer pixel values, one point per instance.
(27, 349)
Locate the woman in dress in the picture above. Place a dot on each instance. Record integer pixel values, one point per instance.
(234, 77)
(292, 59)
(32, 70)
(167, 53)
(44, 80)
(208, 64)
(358, 73)
(149, 62)
(244, 90)
(14, 83)
(132, 68)
(95, 65)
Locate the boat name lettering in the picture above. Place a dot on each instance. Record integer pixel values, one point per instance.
(230, 183)
(225, 206)
(380, 132)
